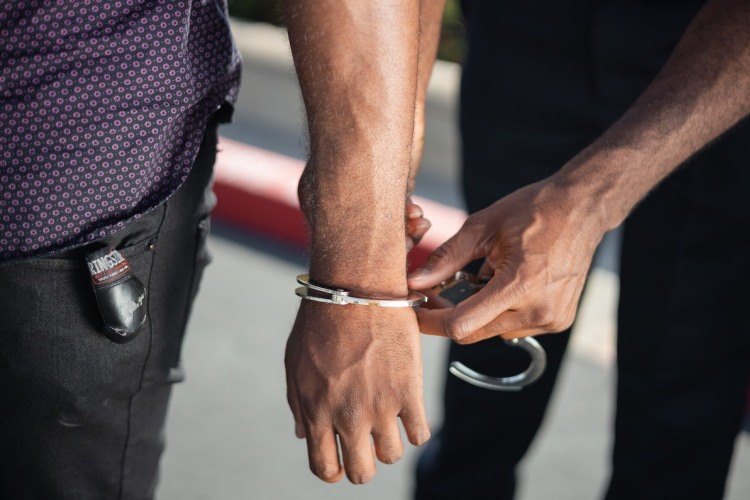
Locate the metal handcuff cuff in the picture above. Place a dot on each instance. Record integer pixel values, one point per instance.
(458, 288)
(320, 293)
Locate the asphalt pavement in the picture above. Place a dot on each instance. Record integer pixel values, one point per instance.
(230, 434)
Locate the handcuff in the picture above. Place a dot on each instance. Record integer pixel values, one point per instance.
(460, 287)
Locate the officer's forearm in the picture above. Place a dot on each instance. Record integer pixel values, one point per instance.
(703, 90)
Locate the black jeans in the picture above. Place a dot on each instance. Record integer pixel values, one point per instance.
(82, 417)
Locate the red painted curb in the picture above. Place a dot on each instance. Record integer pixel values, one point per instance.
(257, 191)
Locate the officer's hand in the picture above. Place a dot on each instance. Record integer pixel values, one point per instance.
(538, 245)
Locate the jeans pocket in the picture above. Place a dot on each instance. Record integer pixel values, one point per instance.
(54, 355)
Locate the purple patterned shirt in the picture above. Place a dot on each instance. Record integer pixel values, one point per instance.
(103, 105)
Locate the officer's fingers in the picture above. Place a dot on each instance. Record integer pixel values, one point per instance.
(468, 317)
(486, 270)
(434, 300)
(431, 321)
(508, 335)
(526, 320)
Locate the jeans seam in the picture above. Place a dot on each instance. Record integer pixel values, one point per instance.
(126, 445)
(200, 240)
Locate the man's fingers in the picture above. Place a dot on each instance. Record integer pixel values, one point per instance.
(417, 228)
(415, 423)
(416, 225)
(358, 456)
(415, 231)
(291, 397)
(346, 400)
(413, 211)
(323, 453)
(388, 446)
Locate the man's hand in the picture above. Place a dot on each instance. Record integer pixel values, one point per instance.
(351, 372)
(537, 245)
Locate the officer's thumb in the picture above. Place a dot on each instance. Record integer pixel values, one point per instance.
(444, 262)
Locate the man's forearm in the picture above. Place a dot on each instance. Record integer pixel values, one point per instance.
(703, 90)
(357, 67)
(430, 17)
(353, 371)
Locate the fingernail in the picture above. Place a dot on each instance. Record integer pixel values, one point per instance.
(418, 275)
(415, 212)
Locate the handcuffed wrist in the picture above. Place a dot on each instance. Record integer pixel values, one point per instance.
(321, 293)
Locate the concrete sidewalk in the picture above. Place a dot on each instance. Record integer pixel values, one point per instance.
(230, 433)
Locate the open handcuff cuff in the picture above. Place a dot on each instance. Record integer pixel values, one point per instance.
(461, 286)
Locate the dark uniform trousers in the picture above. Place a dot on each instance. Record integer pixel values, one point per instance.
(541, 82)
(82, 417)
